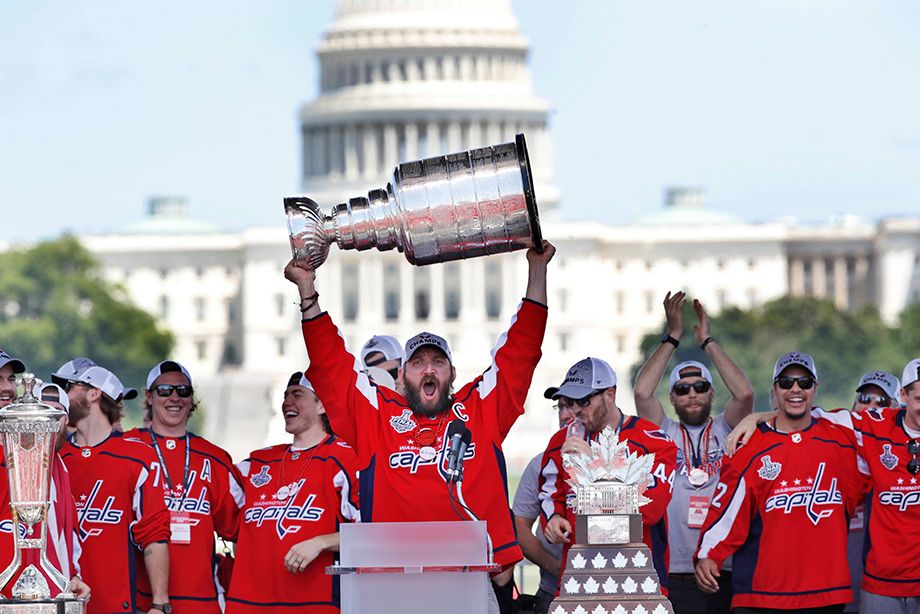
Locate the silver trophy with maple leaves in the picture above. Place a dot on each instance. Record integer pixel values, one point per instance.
(609, 569)
(28, 429)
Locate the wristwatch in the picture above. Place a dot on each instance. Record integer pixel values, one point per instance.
(163, 607)
(666, 338)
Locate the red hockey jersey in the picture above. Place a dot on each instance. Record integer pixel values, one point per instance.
(291, 496)
(642, 437)
(782, 509)
(117, 505)
(63, 545)
(892, 567)
(209, 503)
(396, 482)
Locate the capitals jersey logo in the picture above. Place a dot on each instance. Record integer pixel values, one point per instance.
(808, 498)
(89, 515)
(284, 515)
(6, 526)
(412, 460)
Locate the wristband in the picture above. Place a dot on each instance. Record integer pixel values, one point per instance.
(706, 342)
(313, 298)
(666, 338)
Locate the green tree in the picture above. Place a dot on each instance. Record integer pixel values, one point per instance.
(55, 305)
(844, 345)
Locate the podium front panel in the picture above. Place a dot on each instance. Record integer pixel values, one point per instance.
(414, 545)
(385, 544)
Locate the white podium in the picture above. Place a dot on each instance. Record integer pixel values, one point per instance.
(414, 568)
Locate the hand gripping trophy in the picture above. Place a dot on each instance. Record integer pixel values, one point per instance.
(463, 205)
(609, 569)
(28, 429)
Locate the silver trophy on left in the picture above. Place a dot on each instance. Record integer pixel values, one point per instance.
(28, 429)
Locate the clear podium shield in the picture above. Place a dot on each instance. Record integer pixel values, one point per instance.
(414, 567)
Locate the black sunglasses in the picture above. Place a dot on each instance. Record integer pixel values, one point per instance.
(682, 389)
(866, 399)
(913, 465)
(71, 383)
(565, 403)
(785, 382)
(165, 390)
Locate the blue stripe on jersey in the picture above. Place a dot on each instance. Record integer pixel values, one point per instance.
(834, 442)
(174, 597)
(659, 535)
(366, 490)
(279, 604)
(132, 574)
(744, 561)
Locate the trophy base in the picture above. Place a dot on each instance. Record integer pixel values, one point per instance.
(42, 606)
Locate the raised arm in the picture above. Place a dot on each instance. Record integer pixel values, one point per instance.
(742, 402)
(647, 404)
(536, 272)
(339, 382)
(304, 278)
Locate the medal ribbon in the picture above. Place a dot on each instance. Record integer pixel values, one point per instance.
(695, 457)
(156, 446)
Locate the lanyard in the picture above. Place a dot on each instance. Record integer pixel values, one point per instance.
(156, 446)
(695, 457)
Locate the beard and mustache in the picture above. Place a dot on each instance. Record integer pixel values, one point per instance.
(697, 418)
(440, 404)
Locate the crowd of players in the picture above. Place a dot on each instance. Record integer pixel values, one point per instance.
(779, 514)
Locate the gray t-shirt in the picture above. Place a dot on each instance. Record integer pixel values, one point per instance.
(527, 505)
(689, 504)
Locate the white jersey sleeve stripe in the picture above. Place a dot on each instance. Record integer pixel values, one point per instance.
(550, 475)
(722, 527)
(348, 510)
(490, 376)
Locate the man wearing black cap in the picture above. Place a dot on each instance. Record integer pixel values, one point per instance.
(401, 440)
(200, 486)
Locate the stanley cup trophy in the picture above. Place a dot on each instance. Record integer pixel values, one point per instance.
(28, 429)
(609, 569)
(462, 205)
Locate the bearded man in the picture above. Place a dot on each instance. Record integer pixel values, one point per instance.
(401, 440)
(700, 439)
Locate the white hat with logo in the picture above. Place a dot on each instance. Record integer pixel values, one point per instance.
(583, 378)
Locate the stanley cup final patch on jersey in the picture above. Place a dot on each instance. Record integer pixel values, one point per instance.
(403, 423)
(262, 478)
(888, 459)
(770, 470)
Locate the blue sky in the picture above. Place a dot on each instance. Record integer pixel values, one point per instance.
(775, 107)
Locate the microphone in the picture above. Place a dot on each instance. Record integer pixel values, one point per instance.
(454, 436)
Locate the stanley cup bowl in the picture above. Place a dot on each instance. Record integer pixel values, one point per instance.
(462, 205)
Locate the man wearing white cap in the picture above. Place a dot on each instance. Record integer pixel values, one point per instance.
(112, 479)
(200, 486)
(297, 494)
(590, 389)
(700, 438)
(782, 505)
(386, 353)
(401, 439)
